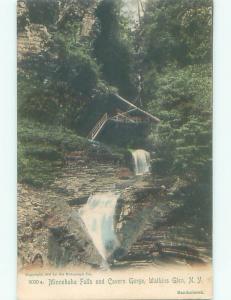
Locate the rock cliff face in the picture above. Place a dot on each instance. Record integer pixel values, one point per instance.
(33, 37)
(50, 231)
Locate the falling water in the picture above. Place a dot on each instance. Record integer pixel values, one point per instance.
(98, 218)
(142, 161)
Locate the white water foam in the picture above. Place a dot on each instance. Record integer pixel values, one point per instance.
(142, 161)
(98, 218)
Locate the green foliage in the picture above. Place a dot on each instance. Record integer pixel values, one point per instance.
(36, 99)
(57, 84)
(43, 12)
(178, 31)
(183, 102)
(179, 93)
(177, 49)
(112, 46)
(36, 132)
(41, 150)
(69, 84)
(181, 98)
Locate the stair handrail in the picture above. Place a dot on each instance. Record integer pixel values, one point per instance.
(92, 134)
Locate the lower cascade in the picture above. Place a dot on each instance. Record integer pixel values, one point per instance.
(142, 161)
(98, 218)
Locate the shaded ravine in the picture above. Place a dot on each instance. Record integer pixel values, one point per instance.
(98, 214)
(51, 230)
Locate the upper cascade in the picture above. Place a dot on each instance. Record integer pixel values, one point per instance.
(142, 161)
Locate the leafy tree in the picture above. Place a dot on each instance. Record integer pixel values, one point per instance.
(72, 78)
(177, 84)
(43, 12)
(111, 46)
(183, 140)
(178, 31)
(56, 84)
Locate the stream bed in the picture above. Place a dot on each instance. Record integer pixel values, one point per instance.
(127, 226)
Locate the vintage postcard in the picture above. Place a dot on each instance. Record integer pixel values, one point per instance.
(114, 149)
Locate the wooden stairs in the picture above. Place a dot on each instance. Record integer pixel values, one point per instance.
(97, 128)
(120, 116)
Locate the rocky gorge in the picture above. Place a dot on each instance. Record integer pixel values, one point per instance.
(51, 232)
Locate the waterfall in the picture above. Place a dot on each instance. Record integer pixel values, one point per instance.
(142, 161)
(98, 218)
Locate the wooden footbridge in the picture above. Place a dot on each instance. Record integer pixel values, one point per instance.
(133, 115)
